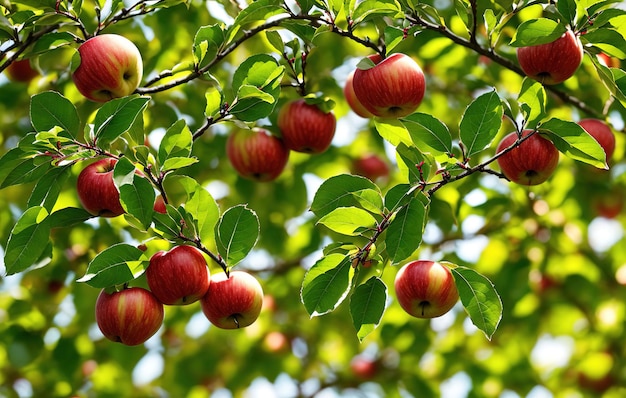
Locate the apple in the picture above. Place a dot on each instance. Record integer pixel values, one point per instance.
(179, 276)
(21, 71)
(608, 61)
(370, 166)
(425, 289)
(256, 154)
(276, 342)
(97, 191)
(394, 87)
(530, 163)
(305, 127)
(609, 203)
(232, 301)
(354, 103)
(364, 368)
(129, 316)
(552, 63)
(159, 205)
(110, 67)
(602, 133)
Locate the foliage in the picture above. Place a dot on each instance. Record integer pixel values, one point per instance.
(535, 267)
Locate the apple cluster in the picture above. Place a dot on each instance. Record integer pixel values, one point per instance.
(179, 276)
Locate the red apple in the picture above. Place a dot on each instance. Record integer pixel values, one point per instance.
(305, 127)
(21, 71)
(159, 205)
(602, 133)
(110, 67)
(609, 203)
(552, 63)
(233, 301)
(393, 88)
(97, 191)
(364, 368)
(530, 163)
(256, 154)
(356, 106)
(179, 276)
(130, 316)
(370, 166)
(426, 289)
(608, 61)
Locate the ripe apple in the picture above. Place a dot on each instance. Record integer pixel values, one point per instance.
(305, 127)
(256, 154)
(609, 203)
(233, 301)
(21, 71)
(530, 163)
(608, 61)
(97, 191)
(425, 289)
(356, 105)
(159, 205)
(552, 63)
(370, 166)
(602, 133)
(110, 67)
(393, 88)
(130, 316)
(179, 276)
(364, 368)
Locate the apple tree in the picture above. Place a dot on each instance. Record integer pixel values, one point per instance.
(378, 197)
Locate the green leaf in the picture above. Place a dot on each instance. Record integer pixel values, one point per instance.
(397, 196)
(367, 305)
(370, 200)
(136, 193)
(429, 132)
(214, 101)
(404, 234)
(372, 9)
(259, 10)
(339, 191)
(116, 117)
(207, 42)
(350, 221)
(19, 167)
(480, 122)
(393, 37)
(533, 100)
(609, 41)
(52, 41)
(201, 205)
(50, 109)
(480, 299)
(237, 233)
(575, 142)
(28, 240)
(116, 265)
(49, 187)
(274, 38)
(176, 143)
(567, 8)
(414, 163)
(394, 131)
(326, 284)
(69, 217)
(537, 31)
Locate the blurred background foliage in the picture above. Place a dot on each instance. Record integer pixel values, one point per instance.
(558, 264)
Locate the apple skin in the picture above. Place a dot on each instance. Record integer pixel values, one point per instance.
(425, 289)
(21, 71)
(97, 191)
(552, 63)
(305, 127)
(110, 67)
(159, 205)
(393, 88)
(602, 133)
(179, 276)
(354, 103)
(530, 163)
(233, 301)
(364, 368)
(130, 316)
(370, 166)
(608, 61)
(256, 154)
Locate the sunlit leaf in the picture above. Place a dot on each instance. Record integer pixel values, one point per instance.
(326, 284)
(237, 233)
(348, 221)
(367, 305)
(115, 265)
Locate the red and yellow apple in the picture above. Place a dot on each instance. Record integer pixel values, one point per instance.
(354, 103)
(531, 162)
(179, 276)
(97, 191)
(426, 289)
(305, 127)
(129, 316)
(370, 166)
(256, 154)
(110, 67)
(21, 71)
(602, 133)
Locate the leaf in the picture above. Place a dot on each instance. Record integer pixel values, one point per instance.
(367, 305)
(259, 10)
(350, 221)
(480, 299)
(426, 130)
(326, 284)
(397, 196)
(69, 217)
(372, 9)
(206, 44)
(480, 122)
(394, 131)
(537, 31)
(404, 234)
(176, 143)
(237, 233)
(214, 101)
(116, 117)
(414, 163)
(28, 240)
(533, 100)
(116, 265)
(50, 109)
(136, 193)
(23, 169)
(609, 41)
(49, 187)
(339, 191)
(572, 140)
(201, 205)
(274, 38)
